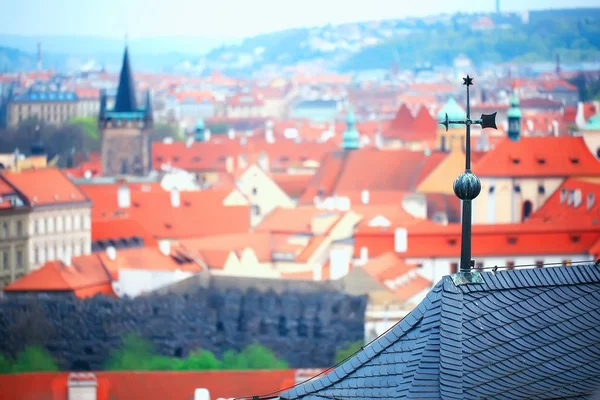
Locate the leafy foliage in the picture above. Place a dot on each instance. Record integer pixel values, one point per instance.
(32, 359)
(88, 125)
(136, 353)
(347, 351)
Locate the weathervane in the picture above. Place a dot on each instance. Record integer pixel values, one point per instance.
(467, 185)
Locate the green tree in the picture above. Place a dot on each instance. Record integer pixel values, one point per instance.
(5, 365)
(34, 359)
(348, 351)
(162, 131)
(199, 360)
(253, 356)
(137, 353)
(88, 125)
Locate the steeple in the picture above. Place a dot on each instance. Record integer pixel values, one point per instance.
(351, 135)
(199, 131)
(125, 101)
(514, 117)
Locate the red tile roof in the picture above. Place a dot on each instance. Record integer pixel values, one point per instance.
(117, 228)
(42, 187)
(292, 184)
(388, 171)
(488, 240)
(293, 220)
(539, 157)
(200, 213)
(83, 273)
(575, 203)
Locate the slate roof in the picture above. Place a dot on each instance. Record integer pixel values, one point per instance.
(528, 333)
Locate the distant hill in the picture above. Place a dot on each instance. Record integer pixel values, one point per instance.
(64, 52)
(12, 60)
(573, 33)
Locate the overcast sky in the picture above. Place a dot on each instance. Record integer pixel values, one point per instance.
(223, 18)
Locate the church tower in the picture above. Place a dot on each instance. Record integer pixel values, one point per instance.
(514, 117)
(350, 136)
(125, 129)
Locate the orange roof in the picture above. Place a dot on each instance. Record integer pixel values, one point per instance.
(388, 170)
(145, 258)
(313, 245)
(387, 266)
(200, 213)
(292, 184)
(117, 228)
(539, 156)
(561, 207)
(491, 240)
(197, 96)
(84, 272)
(87, 93)
(376, 197)
(293, 220)
(41, 187)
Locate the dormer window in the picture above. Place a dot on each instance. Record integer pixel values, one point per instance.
(196, 159)
(492, 188)
(452, 242)
(517, 189)
(516, 161)
(159, 159)
(574, 161)
(563, 195)
(575, 238)
(512, 240)
(176, 158)
(541, 161)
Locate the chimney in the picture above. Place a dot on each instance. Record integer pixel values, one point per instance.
(580, 116)
(400, 240)
(123, 196)
(111, 253)
(555, 127)
(165, 247)
(175, 198)
(364, 196)
(590, 201)
(269, 135)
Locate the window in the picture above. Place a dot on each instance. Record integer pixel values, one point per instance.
(256, 210)
(40, 226)
(68, 223)
(479, 266)
(254, 191)
(50, 225)
(539, 264)
(4, 230)
(453, 268)
(5, 260)
(36, 255)
(19, 228)
(566, 263)
(19, 258)
(541, 189)
(510, 265)
(77, 222)
(59, 224)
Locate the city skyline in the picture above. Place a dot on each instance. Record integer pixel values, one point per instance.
(225, 19)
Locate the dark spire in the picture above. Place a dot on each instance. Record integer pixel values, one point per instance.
(148, 105)
(125, 101)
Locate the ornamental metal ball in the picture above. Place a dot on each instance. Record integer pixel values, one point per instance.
(467, 186)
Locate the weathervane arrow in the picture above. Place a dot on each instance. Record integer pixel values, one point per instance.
(486, 120)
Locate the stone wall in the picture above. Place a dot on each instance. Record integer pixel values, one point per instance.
(306, 329)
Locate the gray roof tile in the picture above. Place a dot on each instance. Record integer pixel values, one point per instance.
(524, 333)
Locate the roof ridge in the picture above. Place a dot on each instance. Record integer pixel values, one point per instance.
(529, 277)
(372, 349)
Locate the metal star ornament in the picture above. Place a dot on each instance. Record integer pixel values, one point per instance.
(468, 81)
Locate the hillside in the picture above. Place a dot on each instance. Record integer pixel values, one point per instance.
(15, 60)
(574, 34)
